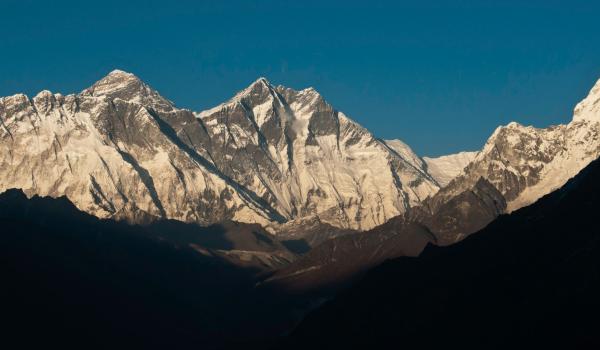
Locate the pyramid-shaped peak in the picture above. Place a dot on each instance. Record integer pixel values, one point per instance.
(259, 86)
(263, 83)
(118, 76)
(126, 86)
(262, 90)
(259, 83)
(114, 81)
(118, 72)
(262, 80)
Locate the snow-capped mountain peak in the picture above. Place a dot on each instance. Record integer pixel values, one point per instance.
(308, 159)
(589, 107)
(126, 86)
(114, 82)
(260, 89)
(260, 85)
(524, 163)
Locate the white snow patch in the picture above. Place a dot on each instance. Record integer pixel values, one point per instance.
(445, 168)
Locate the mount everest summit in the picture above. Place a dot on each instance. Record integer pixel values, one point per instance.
(270, 155)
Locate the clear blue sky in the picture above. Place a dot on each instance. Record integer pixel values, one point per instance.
(439, 76)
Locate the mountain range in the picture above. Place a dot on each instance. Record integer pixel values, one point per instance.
(528, 280)
(270, 155)
(240, 219)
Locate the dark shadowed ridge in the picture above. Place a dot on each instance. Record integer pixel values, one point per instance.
(344, 258)
(531, 278)
(70, 280)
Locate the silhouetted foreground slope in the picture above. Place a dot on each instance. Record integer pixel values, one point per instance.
(529, 278)
(342, 260)
(70, 280)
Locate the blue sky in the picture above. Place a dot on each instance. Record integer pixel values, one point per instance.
(440, 76)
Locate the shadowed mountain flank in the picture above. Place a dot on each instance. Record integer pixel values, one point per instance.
(72, 279)
(531, 278)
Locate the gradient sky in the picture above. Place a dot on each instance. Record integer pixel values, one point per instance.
(439, 76)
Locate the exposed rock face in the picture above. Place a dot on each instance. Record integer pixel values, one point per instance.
(307, 159)
(404, 151)
(341, 260)
(456, 217)
(524, 163)
(111, 151)
(344, 257)
(517, 166)
(270, 155)
(529, 278)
